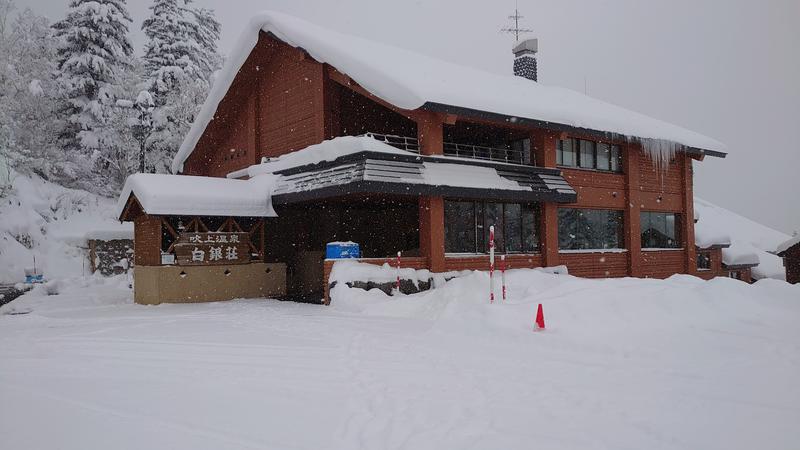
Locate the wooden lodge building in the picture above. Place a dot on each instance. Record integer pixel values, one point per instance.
(311, 136)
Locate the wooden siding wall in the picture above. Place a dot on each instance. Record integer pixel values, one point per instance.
(147, 240)
(274, 106)
(792, 264)
(481, 262)
(663, 264)
(596, 265)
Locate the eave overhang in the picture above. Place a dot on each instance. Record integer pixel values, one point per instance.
(413, 175)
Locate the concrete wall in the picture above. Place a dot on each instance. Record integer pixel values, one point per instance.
(194, 284)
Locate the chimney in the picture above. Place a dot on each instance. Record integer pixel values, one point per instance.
(525, 59)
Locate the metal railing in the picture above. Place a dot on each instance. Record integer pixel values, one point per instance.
(402, 142)
(411, 144)
(487, 153)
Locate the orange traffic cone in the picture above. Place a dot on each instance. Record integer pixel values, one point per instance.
(539, 318)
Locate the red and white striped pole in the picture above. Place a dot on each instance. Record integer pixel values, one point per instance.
(398, 272)
(503, 274)
(491, 264)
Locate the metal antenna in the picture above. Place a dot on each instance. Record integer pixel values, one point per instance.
(516, 29)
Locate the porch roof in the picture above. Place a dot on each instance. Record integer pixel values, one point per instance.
(370, 172)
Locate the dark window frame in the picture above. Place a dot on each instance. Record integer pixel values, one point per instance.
(528, 238)
(614, 155)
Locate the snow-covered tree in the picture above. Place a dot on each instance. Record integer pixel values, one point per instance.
(206, 33)
(94, 48)
(180, 58)
(29, 120)
(171, 53)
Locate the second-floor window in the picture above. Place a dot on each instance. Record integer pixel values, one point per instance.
(587, 154)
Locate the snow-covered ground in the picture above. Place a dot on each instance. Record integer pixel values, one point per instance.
(624, 363)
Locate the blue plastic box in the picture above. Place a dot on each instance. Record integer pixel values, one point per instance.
(342, 250)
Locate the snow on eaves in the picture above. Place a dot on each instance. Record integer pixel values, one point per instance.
(750, 242)
(409, 80)
(788, 244)
(443, 172)
(199, 196)
(327, 150)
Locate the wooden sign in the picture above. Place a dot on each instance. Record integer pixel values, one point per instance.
(193, 249)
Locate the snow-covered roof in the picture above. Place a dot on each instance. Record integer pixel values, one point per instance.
(788, 244)
(750, 242)
(199, 196)
(409, 80)
(328, 150)
(740, 255)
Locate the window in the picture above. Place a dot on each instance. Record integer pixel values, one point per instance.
(703, 261)
(583, 229)
(616, 159)
(586, 154)
(589, 155)
(660, 230)
(521, 151)
(466, 227)
(565, 155)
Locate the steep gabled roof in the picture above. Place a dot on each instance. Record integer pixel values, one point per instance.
(410, 81)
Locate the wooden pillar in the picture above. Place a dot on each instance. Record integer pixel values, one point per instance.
(687, 218)
(632, 214)
(430, 132)
(431, 231)
(543, 146)
(147, 240)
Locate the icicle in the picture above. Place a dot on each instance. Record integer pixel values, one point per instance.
(660, 151)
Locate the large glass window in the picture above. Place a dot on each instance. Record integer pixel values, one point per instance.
(460, 235)
(467, 223)
(660, 230)
(589, 229)
(589, 155)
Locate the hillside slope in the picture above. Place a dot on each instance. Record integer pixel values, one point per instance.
(48, 222)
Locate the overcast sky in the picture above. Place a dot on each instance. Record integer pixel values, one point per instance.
(725, 68)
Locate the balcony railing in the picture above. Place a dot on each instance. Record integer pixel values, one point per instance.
(411, 144)
(402, 142)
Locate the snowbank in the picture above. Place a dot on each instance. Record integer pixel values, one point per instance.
(46, 222)
(199, 196)
(409, 80)
(750, 242)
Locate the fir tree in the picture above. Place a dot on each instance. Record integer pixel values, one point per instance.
(206, 33)
(94, 49)
(171, 54)
(180, 58)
